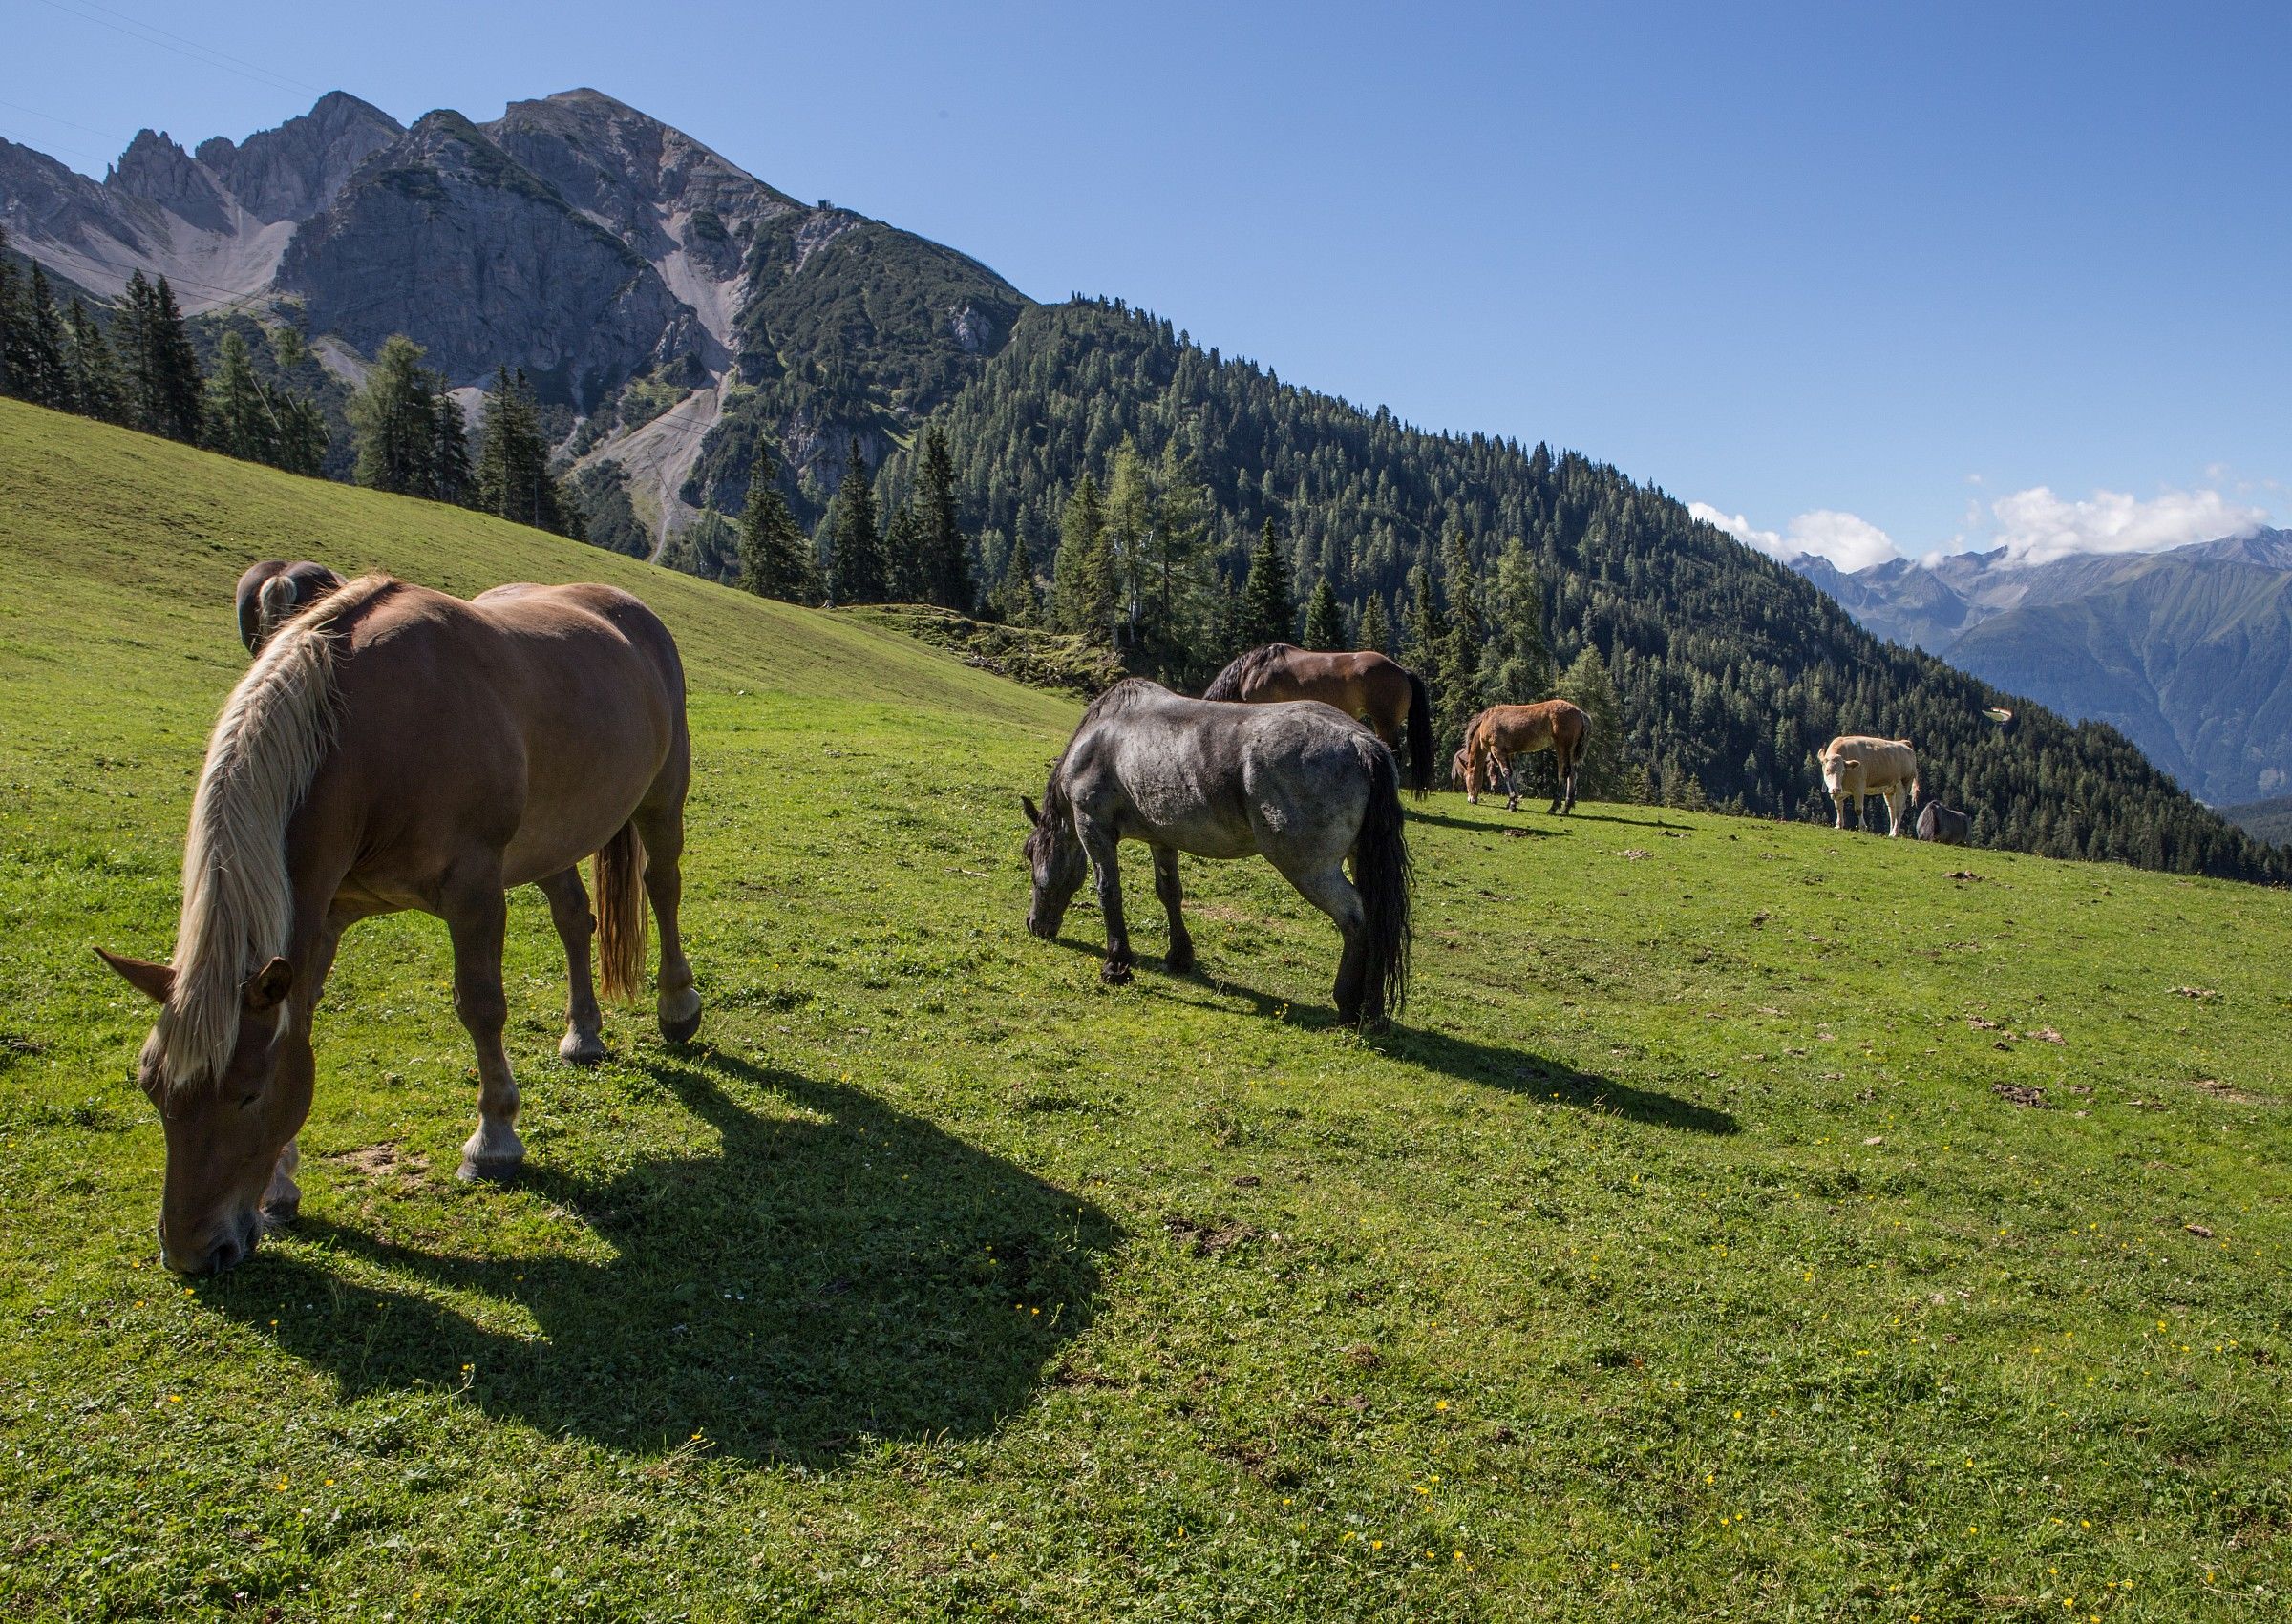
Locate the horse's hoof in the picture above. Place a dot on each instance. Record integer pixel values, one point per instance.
(278, 1214)
(1179, 963)
(494, 1171)
(680, 1031)
(581, 1048)
(1114, 975)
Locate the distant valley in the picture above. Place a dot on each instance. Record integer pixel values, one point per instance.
(2189, 652)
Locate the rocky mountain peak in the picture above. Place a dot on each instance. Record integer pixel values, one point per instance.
(156, 168)
(293, 172)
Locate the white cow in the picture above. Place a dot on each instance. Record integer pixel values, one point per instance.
(1855, 767)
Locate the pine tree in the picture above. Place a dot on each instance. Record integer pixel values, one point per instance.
(944, 551)
(1082, 586)
(1520, 670)
(12, 320)
(1175, 610)
(402, 441)
(1376, 633)
(1425, 633)
(1268, 614)
(1129, 524)
(709, 547)
(302, 446)
(1458, 695)
(38, 364)
(1588, 683)
(93, 371)
(162, 369)
(905, 570)
(449, 472)
(514, 480)
(237, 418)
(1016, 602)
(1324, 619)
(855, 563)
(775, 559)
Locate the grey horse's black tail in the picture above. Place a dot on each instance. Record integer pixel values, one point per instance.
(1420, 735)
(1382, 876)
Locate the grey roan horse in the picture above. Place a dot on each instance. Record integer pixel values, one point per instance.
(1301, 783)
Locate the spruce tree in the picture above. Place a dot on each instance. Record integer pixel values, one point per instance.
(1425, 632)
(166, 368)
(1268, 614)
(1016, 602)
(1522, 669)
(944, 551)
(776, 557)
(1324, 619)
(1376, 632)
(905, 570)
(405, 443)
(1589, 684)
(38, 367)
(12, 320)
(237, 418)
(1082, 585)
(855, 563)
(94, 372)
(1459, 694)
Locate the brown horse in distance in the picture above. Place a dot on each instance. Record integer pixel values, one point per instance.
(1366, 684)
(1502, 731)
(395, 748)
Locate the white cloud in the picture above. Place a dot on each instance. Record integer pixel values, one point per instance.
(1851, 542)
(2035, 526)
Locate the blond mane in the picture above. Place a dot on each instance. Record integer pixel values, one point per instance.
(238, 898)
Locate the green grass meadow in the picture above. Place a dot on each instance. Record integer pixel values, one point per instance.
(1745, 1220)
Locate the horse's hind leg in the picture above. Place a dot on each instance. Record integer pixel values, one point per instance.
(662, 830)
(1181, 958)
(1333, 893)
(1100, 845)
(582, 1044)
(475, 911)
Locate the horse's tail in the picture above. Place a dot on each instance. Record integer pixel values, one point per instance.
(620, 880)
(1381, 875)
(1420, 734)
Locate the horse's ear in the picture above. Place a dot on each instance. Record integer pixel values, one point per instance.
(1027, 805)
(155, 981)
(268, 987)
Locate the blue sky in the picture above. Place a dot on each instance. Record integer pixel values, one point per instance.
(1854, 276)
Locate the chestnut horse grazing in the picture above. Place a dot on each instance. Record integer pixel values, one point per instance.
(273, 592)
(1502, 731)
(1366, 684)
(395, 748)
(1300, 784)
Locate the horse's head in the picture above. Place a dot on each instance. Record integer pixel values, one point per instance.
(225, 1130)
(1055, 856)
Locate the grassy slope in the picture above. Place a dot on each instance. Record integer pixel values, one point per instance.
(1677, 1257)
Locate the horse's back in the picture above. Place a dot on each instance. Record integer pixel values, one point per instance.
(535, 717)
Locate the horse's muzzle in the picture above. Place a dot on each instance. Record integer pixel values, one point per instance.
(227, 1250)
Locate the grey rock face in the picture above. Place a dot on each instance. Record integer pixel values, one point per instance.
(445, 237)
(295, 171)
(158, 171)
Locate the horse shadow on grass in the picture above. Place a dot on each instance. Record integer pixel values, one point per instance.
(816, 1286)
(1515, 1070)
(1480, 826)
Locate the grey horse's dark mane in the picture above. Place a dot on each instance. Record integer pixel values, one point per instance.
(1058, 807)
(1244, 669)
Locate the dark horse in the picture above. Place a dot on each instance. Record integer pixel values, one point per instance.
(394, 748)
(1384, 691)
(1300, 784)
(275, 591)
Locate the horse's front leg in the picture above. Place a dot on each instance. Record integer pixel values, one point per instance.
(1512, 786)
(1099, 843)
(584, 1042)
(283, 1196)
(475, 912)
(1181, 958)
